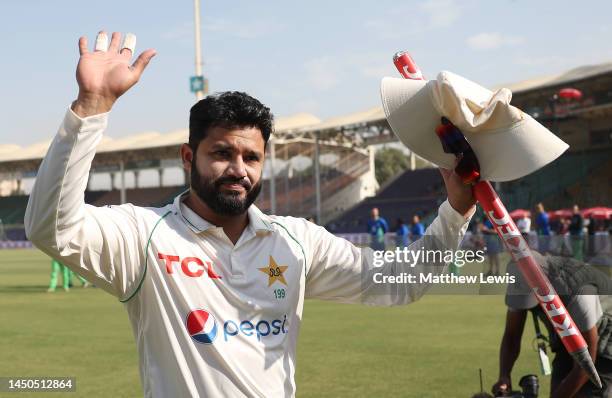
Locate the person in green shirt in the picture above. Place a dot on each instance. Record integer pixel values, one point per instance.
(57, 268)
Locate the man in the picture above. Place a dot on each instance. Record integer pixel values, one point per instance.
(417, 230)
(401, 233)
(214, 288)
(583, 289)
(542, 228)
(524, 225)
(576, 233)
(59, 268)
(493, 247)
(377, 228)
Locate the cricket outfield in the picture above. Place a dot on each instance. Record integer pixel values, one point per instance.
(432, 348)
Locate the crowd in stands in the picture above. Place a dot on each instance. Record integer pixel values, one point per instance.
(582, 234)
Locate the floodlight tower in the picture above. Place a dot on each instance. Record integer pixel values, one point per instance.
(199, 85)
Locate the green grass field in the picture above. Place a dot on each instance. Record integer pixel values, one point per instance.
(432, 348)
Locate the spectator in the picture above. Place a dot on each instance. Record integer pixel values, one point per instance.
(417, 230)
(590, 237)
(493, 247)
(564, 246)
(524, 225)
(377, 228)
(477, 240)
(543, 229)
(576, 233)
(401, 233)
(57, 268)
(564, 226)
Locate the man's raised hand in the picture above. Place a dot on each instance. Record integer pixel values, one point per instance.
(105, 74)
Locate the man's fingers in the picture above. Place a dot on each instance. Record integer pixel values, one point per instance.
(142, 61)
(115, 41)
(83, 45)
(101, 41)
(129, 44)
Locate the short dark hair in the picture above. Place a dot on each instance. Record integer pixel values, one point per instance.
(229, 109)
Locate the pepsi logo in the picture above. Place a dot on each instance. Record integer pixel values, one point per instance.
(201, 326)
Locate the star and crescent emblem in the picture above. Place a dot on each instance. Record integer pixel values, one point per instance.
(275, 272)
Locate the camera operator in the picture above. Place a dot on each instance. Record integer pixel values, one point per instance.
(583, 290)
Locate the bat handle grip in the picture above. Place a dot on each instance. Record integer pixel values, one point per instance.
(406, 66)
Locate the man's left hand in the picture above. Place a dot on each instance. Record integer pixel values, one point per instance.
(460, 195)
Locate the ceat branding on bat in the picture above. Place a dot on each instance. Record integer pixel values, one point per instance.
(509, 233)
(565, 327)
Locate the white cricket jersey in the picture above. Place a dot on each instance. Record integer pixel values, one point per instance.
(210, 318)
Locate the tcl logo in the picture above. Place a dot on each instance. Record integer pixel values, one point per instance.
(191, 266)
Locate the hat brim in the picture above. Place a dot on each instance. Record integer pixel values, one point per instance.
(413, 118)
(504, 154)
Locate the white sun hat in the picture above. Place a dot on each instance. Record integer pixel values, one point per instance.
(508, 143)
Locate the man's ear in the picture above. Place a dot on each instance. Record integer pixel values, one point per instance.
(186, 156)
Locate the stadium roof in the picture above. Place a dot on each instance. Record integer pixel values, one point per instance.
(353, 119)
(572, 75)
(145, 140)
(301, 122)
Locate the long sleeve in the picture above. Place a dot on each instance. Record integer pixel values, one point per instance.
(343, 272)
(101, 244)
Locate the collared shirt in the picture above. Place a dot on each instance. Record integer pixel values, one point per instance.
(209, 318)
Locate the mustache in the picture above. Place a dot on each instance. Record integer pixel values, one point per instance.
(246, 184)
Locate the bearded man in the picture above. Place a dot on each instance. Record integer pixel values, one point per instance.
(214, 288)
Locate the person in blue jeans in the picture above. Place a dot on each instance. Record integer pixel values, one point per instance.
(401, 233)
(417, 230)
(377, 228)
(542, 228)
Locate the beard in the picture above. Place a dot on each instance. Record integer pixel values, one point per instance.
(224, 203)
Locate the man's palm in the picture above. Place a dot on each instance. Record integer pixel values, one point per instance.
(108, 74)
(105, 73)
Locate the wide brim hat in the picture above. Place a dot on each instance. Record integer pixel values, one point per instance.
(508, 143)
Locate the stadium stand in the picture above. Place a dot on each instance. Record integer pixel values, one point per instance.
(411, 192)
(299, 200)
(12, 209)
(140, 197)
(553, 184)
